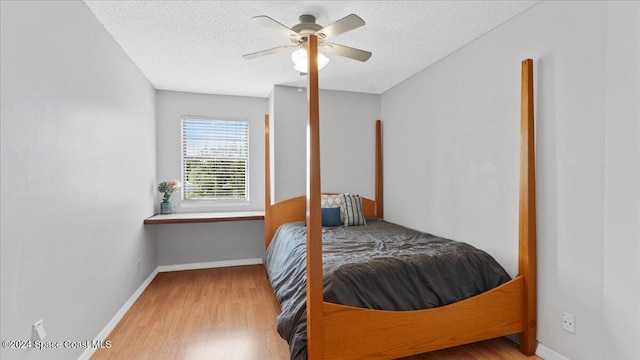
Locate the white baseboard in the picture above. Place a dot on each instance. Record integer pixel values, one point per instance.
(86, 355)
(548, 354)
(210, 264)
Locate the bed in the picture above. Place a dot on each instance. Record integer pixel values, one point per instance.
(334, 330)
(380, 266)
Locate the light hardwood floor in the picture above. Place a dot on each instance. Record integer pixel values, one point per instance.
(230, 314)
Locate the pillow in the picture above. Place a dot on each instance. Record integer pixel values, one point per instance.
(332, 201)
(331, 217)
(353, 214)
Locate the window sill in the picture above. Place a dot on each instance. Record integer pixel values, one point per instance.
(185, 218)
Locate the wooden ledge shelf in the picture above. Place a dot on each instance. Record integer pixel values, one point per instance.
(185, 218)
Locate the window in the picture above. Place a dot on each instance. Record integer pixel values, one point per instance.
(215, 159)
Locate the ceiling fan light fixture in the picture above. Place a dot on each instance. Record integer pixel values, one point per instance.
(300, 57)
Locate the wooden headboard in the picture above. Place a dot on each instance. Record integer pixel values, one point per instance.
(292, 210)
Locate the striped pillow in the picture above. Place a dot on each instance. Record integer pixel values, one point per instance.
(353, 214)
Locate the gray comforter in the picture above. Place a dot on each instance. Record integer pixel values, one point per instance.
(379, 266)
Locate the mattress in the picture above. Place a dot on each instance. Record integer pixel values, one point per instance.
(381, 266)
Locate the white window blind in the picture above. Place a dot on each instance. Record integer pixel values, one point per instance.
(215, 159)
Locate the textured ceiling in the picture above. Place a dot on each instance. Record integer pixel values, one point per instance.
(197, 46)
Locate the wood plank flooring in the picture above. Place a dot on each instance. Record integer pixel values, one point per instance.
(228, 313)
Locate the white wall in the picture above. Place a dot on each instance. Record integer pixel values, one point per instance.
(347, 141)
(621, 241)
(208, 242)
(451, 136)
(189, 244)
(78, 175)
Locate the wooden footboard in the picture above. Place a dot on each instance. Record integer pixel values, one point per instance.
(356, 333)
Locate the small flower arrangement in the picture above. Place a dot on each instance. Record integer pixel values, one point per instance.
(168, 188)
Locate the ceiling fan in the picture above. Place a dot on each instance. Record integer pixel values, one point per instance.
(299, 34)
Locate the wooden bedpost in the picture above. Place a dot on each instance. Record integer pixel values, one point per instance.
(267, 183)
(527, 211)
(315, 326)
(379, 194)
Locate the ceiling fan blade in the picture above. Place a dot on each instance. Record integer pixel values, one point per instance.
(268, 52)
(349, 52)
(343, 25)
(276, 26)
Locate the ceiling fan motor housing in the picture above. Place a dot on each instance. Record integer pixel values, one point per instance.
(307, 25)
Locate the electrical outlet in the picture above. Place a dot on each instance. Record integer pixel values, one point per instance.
(569, 322)
(38, 330)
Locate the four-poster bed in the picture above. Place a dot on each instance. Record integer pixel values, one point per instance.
(335, 331)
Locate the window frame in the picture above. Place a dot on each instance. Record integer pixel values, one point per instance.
(211, 202)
